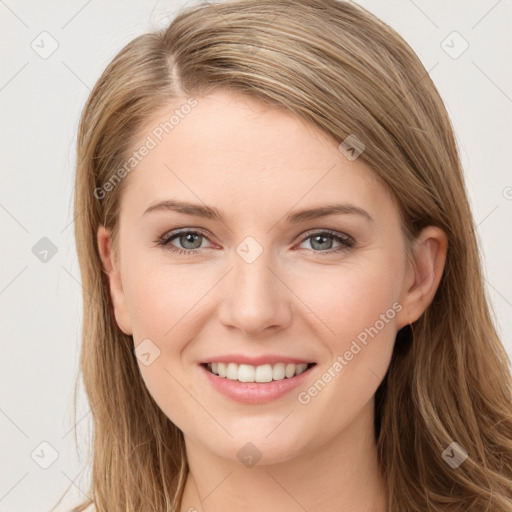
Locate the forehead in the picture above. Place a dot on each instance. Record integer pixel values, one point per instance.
(235, 148)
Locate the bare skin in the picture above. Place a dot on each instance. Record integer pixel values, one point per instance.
(298, 298)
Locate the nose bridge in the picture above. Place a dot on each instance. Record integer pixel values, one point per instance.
(254, 298)
(252, 277)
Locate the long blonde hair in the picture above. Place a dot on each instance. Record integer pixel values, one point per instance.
(337, 66)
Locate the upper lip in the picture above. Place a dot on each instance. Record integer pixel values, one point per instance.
(256, 360)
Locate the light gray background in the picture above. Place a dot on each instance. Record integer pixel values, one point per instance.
(40, 102)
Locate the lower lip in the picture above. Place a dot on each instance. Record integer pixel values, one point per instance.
(255, 392)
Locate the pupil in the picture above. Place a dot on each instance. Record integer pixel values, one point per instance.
(189, 238)
(322, 244)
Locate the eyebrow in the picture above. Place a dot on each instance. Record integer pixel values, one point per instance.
(209, 212)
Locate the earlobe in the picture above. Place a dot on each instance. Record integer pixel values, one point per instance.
(111, 268)
(425, 272)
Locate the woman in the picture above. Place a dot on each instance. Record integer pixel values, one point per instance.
(284, 305)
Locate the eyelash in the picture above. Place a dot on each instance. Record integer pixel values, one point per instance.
(346, 242)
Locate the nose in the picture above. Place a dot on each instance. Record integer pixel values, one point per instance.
(256, 299)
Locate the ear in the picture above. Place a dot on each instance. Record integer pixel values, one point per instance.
(111, 267)
(423, 274)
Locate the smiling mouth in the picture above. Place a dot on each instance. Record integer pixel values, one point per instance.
(260, 374)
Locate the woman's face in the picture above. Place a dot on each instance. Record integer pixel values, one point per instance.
(263, 284)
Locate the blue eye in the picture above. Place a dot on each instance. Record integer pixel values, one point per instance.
(323, 241)
(191, 241)
(187, 238)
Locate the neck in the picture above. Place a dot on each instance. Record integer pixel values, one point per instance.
(342, 475)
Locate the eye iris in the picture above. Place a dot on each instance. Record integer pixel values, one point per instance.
(189, 238)
(315, 238)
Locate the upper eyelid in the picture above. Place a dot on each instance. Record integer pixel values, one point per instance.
(330, 232)
(175, 233)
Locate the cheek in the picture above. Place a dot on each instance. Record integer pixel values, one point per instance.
(352, 296)
(163, 302)
(356, 307)
(160, 297)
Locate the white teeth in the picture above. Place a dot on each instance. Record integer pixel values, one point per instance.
(232, 371)
(262, 373)
(278, 371)
(300, 368)
(245, 373)
(289, 370)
